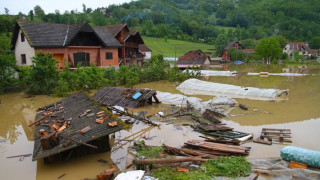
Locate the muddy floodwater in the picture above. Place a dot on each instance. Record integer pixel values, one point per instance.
(300, 113)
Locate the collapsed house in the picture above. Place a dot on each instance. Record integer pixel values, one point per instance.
(73, 126)
(125, 97)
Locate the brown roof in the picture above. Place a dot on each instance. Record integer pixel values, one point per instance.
(115, 29)
(297, 46)
(144, 48)
(193, 57)
(41, 34)
(231, 44)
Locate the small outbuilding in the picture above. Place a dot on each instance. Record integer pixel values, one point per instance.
(195, 58)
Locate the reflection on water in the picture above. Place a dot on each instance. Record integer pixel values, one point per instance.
(300, 114)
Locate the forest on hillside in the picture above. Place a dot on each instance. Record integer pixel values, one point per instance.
(194, 20)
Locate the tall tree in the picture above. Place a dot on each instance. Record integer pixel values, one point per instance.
(31, 15)
(38, 11)
(269, 49)
(84, 8)
(220, 43)
(315, 42)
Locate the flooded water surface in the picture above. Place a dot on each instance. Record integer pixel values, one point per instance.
(300, 113)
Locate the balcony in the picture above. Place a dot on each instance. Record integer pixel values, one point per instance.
(131, 44)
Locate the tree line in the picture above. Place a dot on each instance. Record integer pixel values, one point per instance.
(296, 20)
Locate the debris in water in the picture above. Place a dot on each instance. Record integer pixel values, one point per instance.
(242, 106)
(61, 175)
(102, 161)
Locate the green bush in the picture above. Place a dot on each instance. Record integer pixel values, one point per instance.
(43, 77)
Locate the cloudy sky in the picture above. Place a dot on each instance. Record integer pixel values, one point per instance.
(49, 6)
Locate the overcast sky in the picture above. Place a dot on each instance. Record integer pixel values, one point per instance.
(49, 6)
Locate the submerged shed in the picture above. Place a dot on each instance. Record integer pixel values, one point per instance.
(65, 125)
(125, 97)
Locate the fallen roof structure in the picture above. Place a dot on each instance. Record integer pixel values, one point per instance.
(125, 97)
(72, 122)
(195, 86)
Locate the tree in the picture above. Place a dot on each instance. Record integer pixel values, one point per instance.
(84, 8)
(43, 76)
(269, 49)
(39, 11)
(31, 15)
(282, 40)
(7, 66)
(220, 43)
(6, 10)
(98, 18)
(315, 42)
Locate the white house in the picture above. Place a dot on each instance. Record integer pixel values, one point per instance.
(23, 50)
(291, 47)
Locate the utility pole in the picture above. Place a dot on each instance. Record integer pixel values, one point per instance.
(175, 54)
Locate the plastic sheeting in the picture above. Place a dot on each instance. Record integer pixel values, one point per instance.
(176, 99)
(301, 155)
(221, 104)
(195, 86)
(278, 169)
(136, 175)
(216, 73)
(278, 74)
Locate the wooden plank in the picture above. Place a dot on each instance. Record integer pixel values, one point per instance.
(272, 129)
(261, 141)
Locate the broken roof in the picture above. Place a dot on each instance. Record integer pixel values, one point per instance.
(41, 34)
(124, 97)
(195, 57)
(74, 106)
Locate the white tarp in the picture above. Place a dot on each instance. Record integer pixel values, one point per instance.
(176, 99)
(277, 74)
(216, 73)
(221, 104)
(136, 175)
(195, 86)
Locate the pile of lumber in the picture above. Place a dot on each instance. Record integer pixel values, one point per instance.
(279, 135)
(218, 149)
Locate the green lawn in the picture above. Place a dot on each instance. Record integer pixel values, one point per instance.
(167, 49)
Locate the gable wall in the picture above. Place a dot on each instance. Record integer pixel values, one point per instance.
(23, 48)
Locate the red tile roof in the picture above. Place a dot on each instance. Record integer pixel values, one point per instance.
(231, 44)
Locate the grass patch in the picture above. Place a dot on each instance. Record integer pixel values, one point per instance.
(224, 166)
(167, 49)
(148, 152)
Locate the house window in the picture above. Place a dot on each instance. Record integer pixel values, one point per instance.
(285, 48)
(23, 59)
(109, 55)
(22, 37)
(127, 61)
(304, 53)
(83, 58)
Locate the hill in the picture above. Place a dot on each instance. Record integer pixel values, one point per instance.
(172, 47)
(296, 20)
